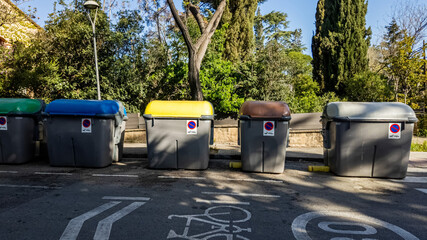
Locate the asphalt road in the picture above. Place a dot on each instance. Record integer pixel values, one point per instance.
(129, 201)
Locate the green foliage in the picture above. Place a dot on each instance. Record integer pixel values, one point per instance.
(417, 147)
(340, 44)
(368, 87)
(239, 15)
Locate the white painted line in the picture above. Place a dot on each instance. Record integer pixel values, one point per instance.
(252, 180)
(8, 171)
(73, 228)
(242, 194)
(114, 175)
(413, 180)
(126, 198)
(104, 226)
(178, 177)
(53, 173)
(424, 190)
(221, 202)
(28, 186)
(299, 225)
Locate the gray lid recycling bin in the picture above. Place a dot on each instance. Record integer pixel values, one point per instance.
(178, 134)
(263, 136)
(368, 139)
(85, 133)
(19, 129)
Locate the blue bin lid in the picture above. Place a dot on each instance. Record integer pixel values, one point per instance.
(84, 107)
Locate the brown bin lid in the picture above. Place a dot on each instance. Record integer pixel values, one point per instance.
(265, 109)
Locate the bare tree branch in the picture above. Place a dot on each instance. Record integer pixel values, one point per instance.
(181, 26)
(212, 25)
(196, 13)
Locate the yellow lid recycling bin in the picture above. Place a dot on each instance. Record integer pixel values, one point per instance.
(178, 134)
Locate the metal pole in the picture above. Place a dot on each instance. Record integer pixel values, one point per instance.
(95, 53)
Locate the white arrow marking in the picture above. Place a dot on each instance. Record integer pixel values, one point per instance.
(74, 226)
(424, 190)
(104, 226)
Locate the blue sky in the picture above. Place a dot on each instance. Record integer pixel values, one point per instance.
(301, 14)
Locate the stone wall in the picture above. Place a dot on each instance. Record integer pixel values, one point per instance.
(226, 131)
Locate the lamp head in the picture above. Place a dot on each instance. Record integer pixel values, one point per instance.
(91, 5)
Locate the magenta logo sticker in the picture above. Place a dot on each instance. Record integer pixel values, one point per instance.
(3, 123)
(394, 130)
(86, 125)
(191, 127)
(268, 130)
(268, 126)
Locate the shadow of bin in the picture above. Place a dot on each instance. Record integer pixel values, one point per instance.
(263, 136)
(178, 134)
(85, 133)
(368, 139)
(19, 121)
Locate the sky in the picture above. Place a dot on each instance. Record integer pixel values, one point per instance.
(301, 14)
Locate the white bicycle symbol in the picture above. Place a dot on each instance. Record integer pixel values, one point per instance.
(221, 219)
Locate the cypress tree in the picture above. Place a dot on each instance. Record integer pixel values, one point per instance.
(240, 16)
(340, 44)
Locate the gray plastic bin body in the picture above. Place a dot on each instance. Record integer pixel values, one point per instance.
(359, 139)
(170, 147)
(261, 152)
(17, 144)
(69, 145)
(19, 129)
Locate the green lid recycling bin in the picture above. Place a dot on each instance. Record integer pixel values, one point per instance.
(85, 133)
(178, 134)
(19, 129)
(263, 135)
(368, 139)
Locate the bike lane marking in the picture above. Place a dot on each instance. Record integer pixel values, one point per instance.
(73, 228)
(125, 198)
(412, 180)
(299, 224)
(9, 172)
(242, 194)
(424, 190)
(115, 175)
(28, 186)
(53, 173)
(104, 227)
(221, 202)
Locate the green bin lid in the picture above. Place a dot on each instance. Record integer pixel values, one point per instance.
(20, 106)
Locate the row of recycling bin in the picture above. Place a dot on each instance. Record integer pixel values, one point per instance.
(360, 139)
(83, 133)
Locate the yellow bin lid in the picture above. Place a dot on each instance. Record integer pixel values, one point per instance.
(180, 109)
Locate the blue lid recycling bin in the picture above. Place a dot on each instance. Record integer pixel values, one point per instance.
(85, 133)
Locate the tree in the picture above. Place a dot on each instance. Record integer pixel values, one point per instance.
(197, 50)
(340, 43)
(240, 17)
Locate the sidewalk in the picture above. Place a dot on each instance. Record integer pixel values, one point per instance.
(232, 152)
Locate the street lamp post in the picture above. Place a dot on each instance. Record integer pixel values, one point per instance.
(94, 5)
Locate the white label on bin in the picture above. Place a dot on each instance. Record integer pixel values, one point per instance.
(394, 131)
(3, 123)
(191, 127)
(86, 125)
(268, 129)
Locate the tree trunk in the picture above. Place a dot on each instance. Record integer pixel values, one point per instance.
(193, 77)
(196, 51)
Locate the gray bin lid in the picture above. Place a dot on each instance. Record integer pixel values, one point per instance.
(369, 111)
